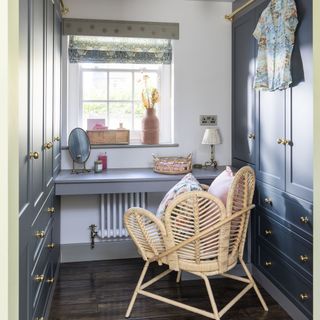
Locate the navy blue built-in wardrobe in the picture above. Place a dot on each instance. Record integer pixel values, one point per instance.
(273, 132)
(39, 154)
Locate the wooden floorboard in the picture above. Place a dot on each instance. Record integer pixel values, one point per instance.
(102, 290)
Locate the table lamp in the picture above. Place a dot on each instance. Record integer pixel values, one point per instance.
(212, 137)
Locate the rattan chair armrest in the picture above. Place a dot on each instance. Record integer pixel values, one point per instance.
(205, 232)
(146, 213)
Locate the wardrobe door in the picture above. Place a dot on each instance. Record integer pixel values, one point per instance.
(57, 93)
(270, 165)
(243, 122)
(299, 177)
(49, 95)
(37, 102)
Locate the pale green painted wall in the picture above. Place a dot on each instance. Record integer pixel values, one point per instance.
(9, 62)
(316, 225)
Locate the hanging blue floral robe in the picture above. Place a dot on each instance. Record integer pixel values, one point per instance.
(275, 35)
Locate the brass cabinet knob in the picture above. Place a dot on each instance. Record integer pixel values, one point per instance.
(57, 138)
(48, 145)
(268, 264)
(50, 280)
(304, 296)
(304, 220)
(251, 136)
(268, 232)
(51, 245)
(268, 200)
(40, 234)
(39, 277)
(287, 142)
(280, 141)
(51, 210)
(34, 155)
(304, 258)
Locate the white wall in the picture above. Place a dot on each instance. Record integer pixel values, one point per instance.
(202, 82)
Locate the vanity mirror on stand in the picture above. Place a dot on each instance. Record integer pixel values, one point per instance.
(79, 148)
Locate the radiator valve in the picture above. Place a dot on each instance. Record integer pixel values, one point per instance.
(93, 234)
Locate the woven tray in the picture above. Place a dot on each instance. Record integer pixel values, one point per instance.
(172, 165)
(109, 136)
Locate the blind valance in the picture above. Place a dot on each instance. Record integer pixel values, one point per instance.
(119, 50)
(117, 28)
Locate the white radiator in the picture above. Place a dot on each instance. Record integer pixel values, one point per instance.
(112, 209)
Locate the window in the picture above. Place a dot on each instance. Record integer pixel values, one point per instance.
(105, 77)
(112, 93)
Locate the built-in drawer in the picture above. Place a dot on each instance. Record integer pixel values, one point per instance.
(293, 246)
(286, 208)
(297, 288)
(41, 274)
(42, 298)
(40, 227)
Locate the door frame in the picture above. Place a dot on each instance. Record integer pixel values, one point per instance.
(9, 164)
(316, 168)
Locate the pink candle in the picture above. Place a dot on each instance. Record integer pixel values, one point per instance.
(104, 160)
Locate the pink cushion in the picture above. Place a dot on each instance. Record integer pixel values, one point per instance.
(221, 184)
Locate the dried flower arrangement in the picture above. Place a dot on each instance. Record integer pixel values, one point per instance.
(150, 95)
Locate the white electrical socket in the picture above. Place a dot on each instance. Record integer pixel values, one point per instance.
(208, 120)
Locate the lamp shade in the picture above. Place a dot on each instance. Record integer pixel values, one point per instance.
(211, 136)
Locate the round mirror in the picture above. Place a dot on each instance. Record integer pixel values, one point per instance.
(79, 145)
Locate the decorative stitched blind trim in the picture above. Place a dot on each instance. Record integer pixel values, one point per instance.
(115, 28)
(119, 50)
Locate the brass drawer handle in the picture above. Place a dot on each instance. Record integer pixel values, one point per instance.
(51, 210)
(268, 232)
(50, 280)
(304, 258)
(40, 234)
(57, 139)
(268, 264)
(251, 136)
(304, 296)
(48, 145)
(268, 201)
(304, 220)
(34, 155)
(39, 278)
(51, 245)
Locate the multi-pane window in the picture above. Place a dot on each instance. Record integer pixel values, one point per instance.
(113, 93)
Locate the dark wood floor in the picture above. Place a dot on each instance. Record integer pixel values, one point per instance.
(102, 290)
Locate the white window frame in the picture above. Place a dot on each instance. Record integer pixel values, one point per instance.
(134, 133)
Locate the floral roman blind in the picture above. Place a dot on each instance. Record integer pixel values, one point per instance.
(119, 50)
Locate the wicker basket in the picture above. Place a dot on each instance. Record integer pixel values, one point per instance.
(109, 136)
(172, 165)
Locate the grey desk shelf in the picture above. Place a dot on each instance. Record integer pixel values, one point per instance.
(124, 181)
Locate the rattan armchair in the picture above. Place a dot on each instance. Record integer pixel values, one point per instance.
(199, 235)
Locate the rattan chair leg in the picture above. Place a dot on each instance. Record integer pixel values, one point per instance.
(135, 293)
(255, 287)
(211, 297)
(178, 277)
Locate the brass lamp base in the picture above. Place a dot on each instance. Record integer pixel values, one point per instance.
(212, 163)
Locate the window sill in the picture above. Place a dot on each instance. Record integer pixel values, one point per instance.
(129, 146)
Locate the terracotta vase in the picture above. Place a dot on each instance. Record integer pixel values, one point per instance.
(150, 127)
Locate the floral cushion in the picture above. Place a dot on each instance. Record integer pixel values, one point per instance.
(221, 184)
(186, 184)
